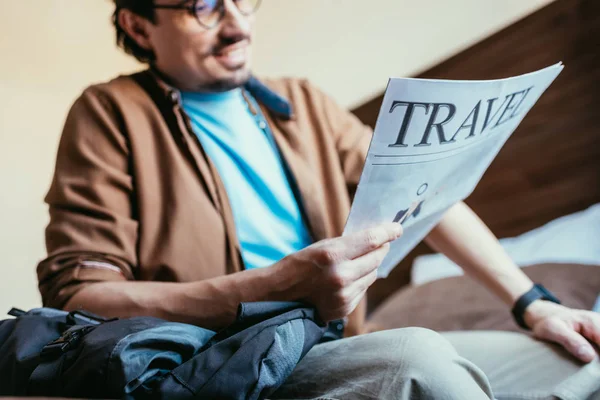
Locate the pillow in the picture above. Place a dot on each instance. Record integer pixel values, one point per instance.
(459, 303)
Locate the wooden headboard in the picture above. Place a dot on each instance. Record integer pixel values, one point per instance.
(551, 165)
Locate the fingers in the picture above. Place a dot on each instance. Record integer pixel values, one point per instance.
(344, 273)
(347, 298)
(349, 266)
(367, 264)
(590, 326)
(360, 272)
(355, 292)
(363, 283)
(355, 277)
(364, 242)
(560, 332)
(348, 305)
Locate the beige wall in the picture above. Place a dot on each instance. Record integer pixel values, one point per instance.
(51, 49)
(350, 50)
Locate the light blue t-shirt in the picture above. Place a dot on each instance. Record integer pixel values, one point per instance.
(268, 220)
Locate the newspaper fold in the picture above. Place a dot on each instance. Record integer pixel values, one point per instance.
(433, 141)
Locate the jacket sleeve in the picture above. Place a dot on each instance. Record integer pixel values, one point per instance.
(92, 232)
(351, 136)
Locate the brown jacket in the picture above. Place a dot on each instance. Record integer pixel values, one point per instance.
(134, 197)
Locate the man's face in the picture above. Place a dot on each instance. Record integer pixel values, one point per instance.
(199, 59)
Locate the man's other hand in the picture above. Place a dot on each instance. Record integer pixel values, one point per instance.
(336, 273)
(575, 330)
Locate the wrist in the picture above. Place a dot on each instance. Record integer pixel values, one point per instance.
(533, 313)
(289, 280)
(537, 311)
(529, 308)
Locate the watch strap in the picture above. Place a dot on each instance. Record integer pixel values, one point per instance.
(537, 292)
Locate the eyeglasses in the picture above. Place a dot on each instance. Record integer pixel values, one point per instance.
(210, 12)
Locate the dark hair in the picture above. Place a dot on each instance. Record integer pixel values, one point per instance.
(143, 8)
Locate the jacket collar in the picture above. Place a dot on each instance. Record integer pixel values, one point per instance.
(270, 99)
(273, 102)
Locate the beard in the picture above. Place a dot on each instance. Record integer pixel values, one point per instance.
(223, 85)
(236, 80)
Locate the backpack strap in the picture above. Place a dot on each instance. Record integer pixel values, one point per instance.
(16, 312)
(45, 378)
(82, 317)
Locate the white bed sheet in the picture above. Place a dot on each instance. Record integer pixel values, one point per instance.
(573, 239)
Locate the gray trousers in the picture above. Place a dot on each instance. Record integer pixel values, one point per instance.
(416, 363)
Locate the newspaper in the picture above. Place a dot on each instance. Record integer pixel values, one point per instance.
(433, 141)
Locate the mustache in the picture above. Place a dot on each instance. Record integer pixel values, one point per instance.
(226, 41)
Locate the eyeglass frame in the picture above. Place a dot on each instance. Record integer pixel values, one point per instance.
(191, 8)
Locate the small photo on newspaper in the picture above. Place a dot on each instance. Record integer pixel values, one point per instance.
(433, 141)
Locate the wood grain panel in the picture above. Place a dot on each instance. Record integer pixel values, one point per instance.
(551, 165)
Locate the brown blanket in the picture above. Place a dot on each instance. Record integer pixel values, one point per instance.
(459, 303)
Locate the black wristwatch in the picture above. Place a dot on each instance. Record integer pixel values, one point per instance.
(537, 292)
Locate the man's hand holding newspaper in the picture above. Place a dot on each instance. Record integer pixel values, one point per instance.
(433, 141)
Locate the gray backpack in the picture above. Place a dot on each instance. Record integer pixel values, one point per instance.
(47, 352)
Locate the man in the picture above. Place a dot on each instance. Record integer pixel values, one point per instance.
(176, 186)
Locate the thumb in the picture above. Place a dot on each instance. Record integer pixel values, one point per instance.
(556, 330)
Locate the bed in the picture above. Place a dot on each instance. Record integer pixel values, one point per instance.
(572, 239)
(563, 255)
